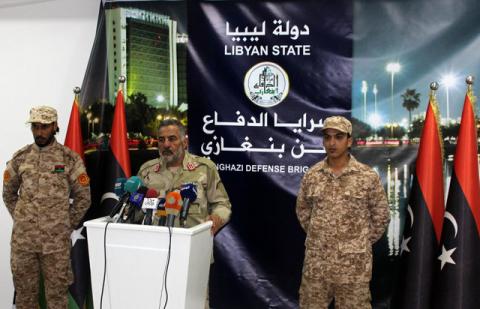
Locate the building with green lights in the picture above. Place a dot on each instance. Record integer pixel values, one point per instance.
(146, 48)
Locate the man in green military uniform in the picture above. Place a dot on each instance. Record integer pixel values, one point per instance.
(343, 208)
(38, 183)
(176, 166)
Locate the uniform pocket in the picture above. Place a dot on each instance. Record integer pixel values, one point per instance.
(313, 264)
(194, 208)
(352, 246)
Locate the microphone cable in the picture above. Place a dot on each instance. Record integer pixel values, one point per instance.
(165, 273)
(104, 262)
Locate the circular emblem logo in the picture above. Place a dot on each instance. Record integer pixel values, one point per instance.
(83, 179)
(6, 176)
(266, 84)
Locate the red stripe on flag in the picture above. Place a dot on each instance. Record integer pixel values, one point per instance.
(74, 139)
(466, 162)
(429, 169)
(118, 141)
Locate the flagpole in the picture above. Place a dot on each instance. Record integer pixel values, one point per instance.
(119, 133)
(457, 267)
(76, 91)
(470, 80)
(424, 217)
(122, 80)
(73, 137)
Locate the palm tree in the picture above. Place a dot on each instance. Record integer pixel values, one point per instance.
(411, 101)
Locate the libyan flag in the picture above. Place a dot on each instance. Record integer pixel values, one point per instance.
(79, 290)
(423, 225)
(458, 266)
(118, 157)
(117, 164)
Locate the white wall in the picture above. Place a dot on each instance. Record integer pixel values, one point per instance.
(44, 51)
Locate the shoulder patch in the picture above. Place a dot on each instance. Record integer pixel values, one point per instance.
(154, 163)
(83, 179)
(6, 176)
(192, 166)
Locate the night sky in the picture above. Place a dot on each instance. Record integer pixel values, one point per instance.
(428, 38)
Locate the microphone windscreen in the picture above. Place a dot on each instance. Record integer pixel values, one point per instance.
(132, 184)
(120, 186)
(173, 203)
(151, 193)
(189, 191)
(161, 203)
(137, 197)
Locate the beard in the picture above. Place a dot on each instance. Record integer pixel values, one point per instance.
(43, 141)
(172, 157)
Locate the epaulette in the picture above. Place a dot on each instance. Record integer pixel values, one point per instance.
(72, 155)
(203, 161)
(149, 164)
(22, 151)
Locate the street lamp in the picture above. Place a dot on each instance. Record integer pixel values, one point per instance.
(364, 91)
(375, 91)
(392, 126)
(94, 121)
(392, 68)
(448, 80)
(89, 121)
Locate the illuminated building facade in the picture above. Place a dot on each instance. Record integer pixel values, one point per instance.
(143, 46)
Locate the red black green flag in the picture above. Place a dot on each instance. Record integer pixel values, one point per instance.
(458, 265)
(421, 236)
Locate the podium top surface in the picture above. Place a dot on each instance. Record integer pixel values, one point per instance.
(101, 222)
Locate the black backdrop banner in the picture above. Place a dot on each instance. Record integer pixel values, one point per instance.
(262, 76)
(254, 80)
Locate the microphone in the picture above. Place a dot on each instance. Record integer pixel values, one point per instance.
(134, 204)
(173, 205)
(133, 184)
(150, 203)
(188, 192)
(123, 189)
(161, 214)
(119, 188)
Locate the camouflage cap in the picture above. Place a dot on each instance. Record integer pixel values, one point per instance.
(42, 114)
(339, 123)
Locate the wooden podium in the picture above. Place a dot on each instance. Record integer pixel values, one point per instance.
(136, 258)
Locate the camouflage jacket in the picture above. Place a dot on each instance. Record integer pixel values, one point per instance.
(37, 186)
(212, 197)
(342, 216)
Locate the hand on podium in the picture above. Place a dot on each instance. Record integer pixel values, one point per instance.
(217, 223)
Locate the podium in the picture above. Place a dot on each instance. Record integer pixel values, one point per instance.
(136, 260)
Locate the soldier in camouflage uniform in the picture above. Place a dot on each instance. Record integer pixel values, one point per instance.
(176, 166)
(343, 208)
(37, 184)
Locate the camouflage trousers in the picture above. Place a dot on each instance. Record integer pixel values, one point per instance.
(57, 274)
(318, 294)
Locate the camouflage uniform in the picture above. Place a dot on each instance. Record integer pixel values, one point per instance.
(211, 195)
(343, 216)
(37, 184)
